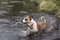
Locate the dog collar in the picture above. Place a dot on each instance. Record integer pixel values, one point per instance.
(31, 26)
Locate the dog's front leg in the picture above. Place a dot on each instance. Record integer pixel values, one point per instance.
(28, 31)
(33, 30)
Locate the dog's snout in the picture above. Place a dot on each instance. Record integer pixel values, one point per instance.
(23, 21)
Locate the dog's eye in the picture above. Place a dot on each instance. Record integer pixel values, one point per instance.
(25, 19)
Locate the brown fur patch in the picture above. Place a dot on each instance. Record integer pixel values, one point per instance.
(41, 26)
(28, 19)
(38, 25)
(44, 24)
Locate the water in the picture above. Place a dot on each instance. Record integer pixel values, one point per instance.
(11, 27)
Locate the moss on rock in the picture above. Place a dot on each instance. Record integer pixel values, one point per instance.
(58, 14)
(47, 6)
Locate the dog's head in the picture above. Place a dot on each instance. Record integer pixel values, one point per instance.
(27, 19)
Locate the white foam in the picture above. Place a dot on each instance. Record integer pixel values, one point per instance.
(23, 33)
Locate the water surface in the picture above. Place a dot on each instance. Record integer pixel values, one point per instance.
(11, 26)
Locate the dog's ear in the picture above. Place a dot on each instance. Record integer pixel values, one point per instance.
(30, 17)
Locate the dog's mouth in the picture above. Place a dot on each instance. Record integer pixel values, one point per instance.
(24, 23)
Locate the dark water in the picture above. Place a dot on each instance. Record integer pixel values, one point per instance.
(11, 26)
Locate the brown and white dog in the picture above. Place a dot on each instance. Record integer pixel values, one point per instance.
(34, 26)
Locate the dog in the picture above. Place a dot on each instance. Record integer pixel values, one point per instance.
(34, 26)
